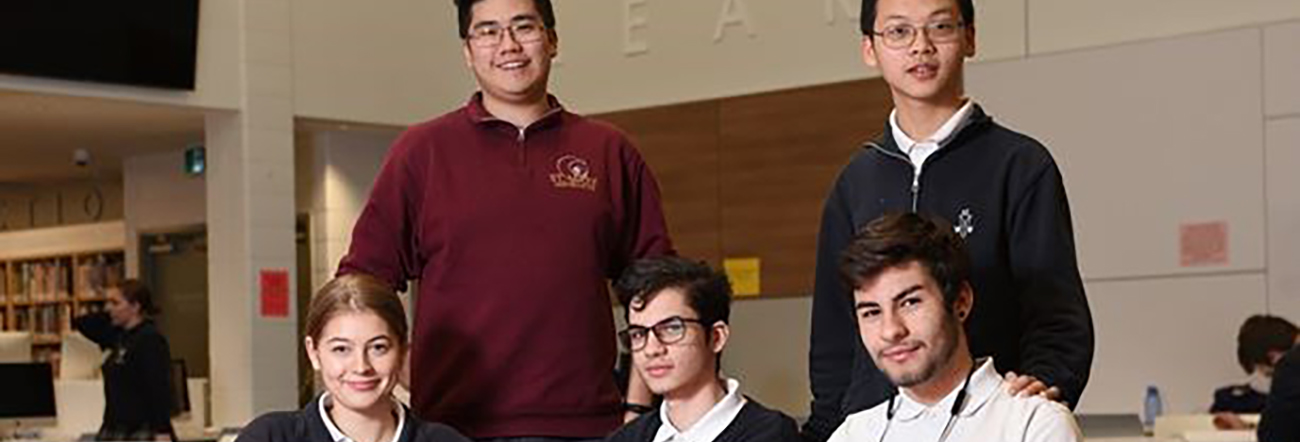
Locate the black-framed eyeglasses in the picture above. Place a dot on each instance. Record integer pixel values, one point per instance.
(902, 35)
(490, 35)
(667, 331)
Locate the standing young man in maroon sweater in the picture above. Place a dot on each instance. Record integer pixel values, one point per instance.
(512, 213)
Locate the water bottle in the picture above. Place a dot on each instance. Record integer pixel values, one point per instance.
(1152, 407)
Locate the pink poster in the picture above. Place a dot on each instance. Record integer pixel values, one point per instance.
(1204, 244)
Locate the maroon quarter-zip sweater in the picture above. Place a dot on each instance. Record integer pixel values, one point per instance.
(512, 234)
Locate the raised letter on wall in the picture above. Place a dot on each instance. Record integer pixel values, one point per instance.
(734, 13)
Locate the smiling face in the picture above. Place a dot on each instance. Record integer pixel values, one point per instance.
(924, 71)
(905, 325)
(358, 357)
(508, 70)
(683, 366)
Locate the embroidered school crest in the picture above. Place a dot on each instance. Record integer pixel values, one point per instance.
(572, 172)
(965, 223)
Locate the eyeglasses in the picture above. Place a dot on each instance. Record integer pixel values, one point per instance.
(667, 331)
(902, 35)
(492, 34)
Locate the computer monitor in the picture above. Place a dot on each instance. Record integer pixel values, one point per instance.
(28, 399)
(15, 346)
(1101, 426)
(80, 358)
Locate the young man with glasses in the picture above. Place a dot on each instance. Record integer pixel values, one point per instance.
(512, 213)
(911, 296)
(677, 313)
(941, 154)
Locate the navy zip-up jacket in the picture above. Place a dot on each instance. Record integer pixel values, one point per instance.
(1003, 193)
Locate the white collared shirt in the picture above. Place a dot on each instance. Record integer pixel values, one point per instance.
(337, 435)
(989, 413)
(918, 151)
(708, 427)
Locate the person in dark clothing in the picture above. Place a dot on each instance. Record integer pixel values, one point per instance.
(940, 154)
(356, 341)
(514, 214)
(1280, 421)
(1261, 342)
(137, 371)
(678, 324)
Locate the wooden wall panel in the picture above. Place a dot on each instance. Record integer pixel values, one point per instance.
(746, 176)
(780, 153)
(680, 143)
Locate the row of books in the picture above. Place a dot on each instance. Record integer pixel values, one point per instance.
(50, 319)
(51, 280)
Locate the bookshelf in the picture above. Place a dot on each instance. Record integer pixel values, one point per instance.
(43, 294)
(49, 276)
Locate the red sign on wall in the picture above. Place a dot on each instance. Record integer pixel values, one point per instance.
(275, 293)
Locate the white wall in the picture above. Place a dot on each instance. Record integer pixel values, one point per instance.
(344, 166)
(1152, 136)
(401, 62)
(159, 197)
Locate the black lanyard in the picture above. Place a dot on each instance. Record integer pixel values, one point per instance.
(952, 416)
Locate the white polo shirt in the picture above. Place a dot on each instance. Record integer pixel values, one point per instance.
(988, 414)
(708, 427)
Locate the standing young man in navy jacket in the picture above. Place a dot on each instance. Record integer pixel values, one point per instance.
(512, 213)
(941, 154)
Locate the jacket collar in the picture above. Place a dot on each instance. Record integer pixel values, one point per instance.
(977, 120)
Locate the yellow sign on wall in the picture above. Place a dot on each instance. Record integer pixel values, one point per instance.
(745, 275)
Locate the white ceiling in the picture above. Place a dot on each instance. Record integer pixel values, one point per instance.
(38, 134)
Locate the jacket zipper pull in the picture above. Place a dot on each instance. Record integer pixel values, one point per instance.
(916, 189)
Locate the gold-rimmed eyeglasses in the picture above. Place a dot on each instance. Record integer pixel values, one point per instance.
(902, 35)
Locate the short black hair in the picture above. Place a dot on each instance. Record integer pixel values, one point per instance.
(465, 14)
(707, 291)
(868, 15)
(896, 239)
(1261, 334)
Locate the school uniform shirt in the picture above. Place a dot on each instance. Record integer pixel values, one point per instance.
(313, 424)
(137, 378)
(735, 418)
(989, 413)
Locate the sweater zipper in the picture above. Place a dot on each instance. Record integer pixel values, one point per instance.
(916, 173)
(523, 150)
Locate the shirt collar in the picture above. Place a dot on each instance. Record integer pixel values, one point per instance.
(983, 383)
(337, 435)
(939, 137)
(708, 427)
(479, 114)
